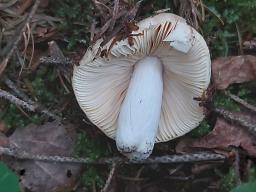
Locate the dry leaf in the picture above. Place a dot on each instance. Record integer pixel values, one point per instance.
(237, 69)
(44, 3)
(225, 135)
(4, 141)
(48, 139)
(3, 127)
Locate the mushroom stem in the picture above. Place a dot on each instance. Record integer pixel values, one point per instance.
(140, 111)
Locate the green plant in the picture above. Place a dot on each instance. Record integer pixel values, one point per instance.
(8, 180)
(223, 21)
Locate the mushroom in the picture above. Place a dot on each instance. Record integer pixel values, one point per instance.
(142, 91)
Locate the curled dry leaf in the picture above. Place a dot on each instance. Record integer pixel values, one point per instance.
(237, 69)
(225, 135)
(48, 139)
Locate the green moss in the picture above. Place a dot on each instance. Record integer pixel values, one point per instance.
(201, 130)
(245, 91)
(228, 182)
(222, 100)
(43, 83)
(14, 118)
(46, 91)
(76, 18)
(88, 147)
(92, 178)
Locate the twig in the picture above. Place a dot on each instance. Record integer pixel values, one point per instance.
(122, 16)
(56, 55)
(167, 159)
(30, 107)
(242, 102)
(188, 10)
(3, 6)
(19, 93)
(92, 30)
(241, 120)
(55, 60)
(17, 101)
(17, 38)
(97, 5)
(110, 176)
(237, 167)
(214, 14)
(58, 59)
(239, 39)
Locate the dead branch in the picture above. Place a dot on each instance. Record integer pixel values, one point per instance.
(115, 24)
(188, 10)
(55, 60)
(33, 107)
(17, 101)
(56, 56)
(237, 167)
(167, 159)
(110, 176)
(239, 119)
(58, 59)
(242, 102)
(18, 37)
(15, 89)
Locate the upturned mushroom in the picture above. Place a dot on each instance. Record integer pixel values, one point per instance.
(142, 92)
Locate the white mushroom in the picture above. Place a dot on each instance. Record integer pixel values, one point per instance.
(143, 92)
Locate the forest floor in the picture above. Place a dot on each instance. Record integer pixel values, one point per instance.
(41, 41)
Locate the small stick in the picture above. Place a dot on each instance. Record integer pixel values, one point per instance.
(17, 101)
(239, 39)
(237, 167)
(55, 60)
(242, 102)
(167, 159)
(30, 107)
(241, 120)
(110, 176)
(19, 93)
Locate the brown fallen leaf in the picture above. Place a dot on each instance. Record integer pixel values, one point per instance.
(4, 141)
(44, 3)
(225, 135)
(48, 139)
(3, 127)
(236, 69)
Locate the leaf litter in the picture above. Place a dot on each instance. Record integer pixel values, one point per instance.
(51, 138)
(226, 135)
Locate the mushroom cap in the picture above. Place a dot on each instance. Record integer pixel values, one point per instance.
(100, 82)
